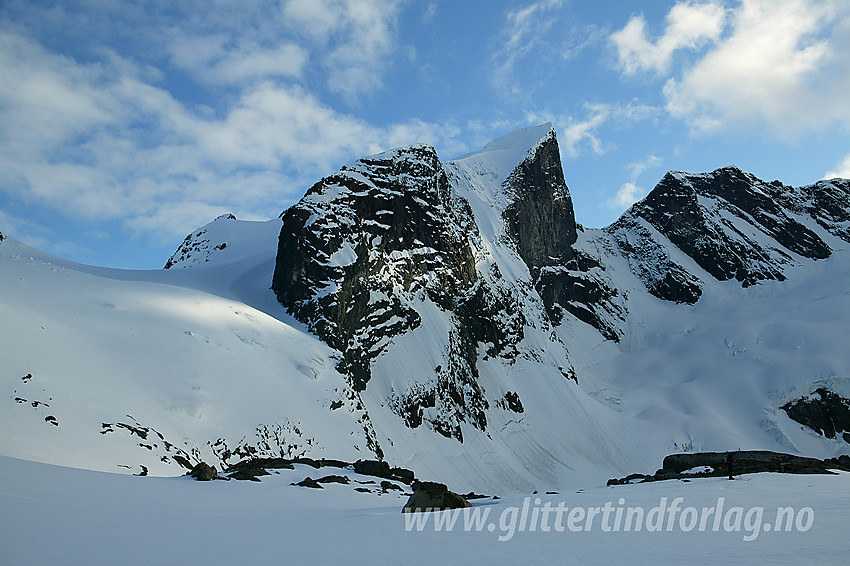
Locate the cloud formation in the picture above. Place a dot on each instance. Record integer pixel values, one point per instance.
(690, 25)
(842, 170)
(108, 140)
(629, 192)
(774, 66)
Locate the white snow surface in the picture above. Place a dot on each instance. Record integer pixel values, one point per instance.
(75, 517)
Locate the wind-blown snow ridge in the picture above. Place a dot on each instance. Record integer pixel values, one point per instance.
(501, 156)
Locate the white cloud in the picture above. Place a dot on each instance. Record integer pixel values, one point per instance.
(97, 141)
(575, 133)
(353, 39)
(689, 25)
(637, 168)
(210, 60)
(778, 66)
(525, 29)
(628, 194)
(842, 170)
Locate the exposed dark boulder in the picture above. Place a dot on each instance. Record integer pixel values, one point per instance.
(383, 470)
(249, 474)
(433, 496)
(203, 472)
(513, 403)
(334, 479)
(309, 482)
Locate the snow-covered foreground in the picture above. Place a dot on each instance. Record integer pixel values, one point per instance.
(61, 515)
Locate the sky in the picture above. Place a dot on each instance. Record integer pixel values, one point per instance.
(126, 125)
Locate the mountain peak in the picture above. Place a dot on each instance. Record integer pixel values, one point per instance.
(502, 155)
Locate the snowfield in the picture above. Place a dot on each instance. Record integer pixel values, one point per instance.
(68, 516)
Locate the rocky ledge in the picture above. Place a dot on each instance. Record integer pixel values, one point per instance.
(710, 464)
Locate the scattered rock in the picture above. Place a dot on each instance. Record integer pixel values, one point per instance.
(473, 495)
(307, 462)
(388, 485)
(381, 469)
(334, 479)
(52, 420)
(249, 474)
(267, 463)
(309, 482)
(253, 467)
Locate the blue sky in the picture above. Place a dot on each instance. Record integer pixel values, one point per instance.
(125, 125)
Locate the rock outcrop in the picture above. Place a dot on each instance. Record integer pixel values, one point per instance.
(433, 496)
(691, 465)
(823, 411)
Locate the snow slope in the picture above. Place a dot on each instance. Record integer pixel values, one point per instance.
(110, 351)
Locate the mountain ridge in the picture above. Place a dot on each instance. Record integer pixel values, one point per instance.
(460, 323)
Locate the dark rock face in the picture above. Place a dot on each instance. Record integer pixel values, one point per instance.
(581, 288)
(367, 247)
(541, 222)
(698, 213)
(541, 219)
(363, 240)
(368, 244)
(433, 496)
(650, 261)
(828, 202)
(824, 412)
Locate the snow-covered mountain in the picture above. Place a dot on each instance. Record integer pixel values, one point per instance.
(452, 318)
